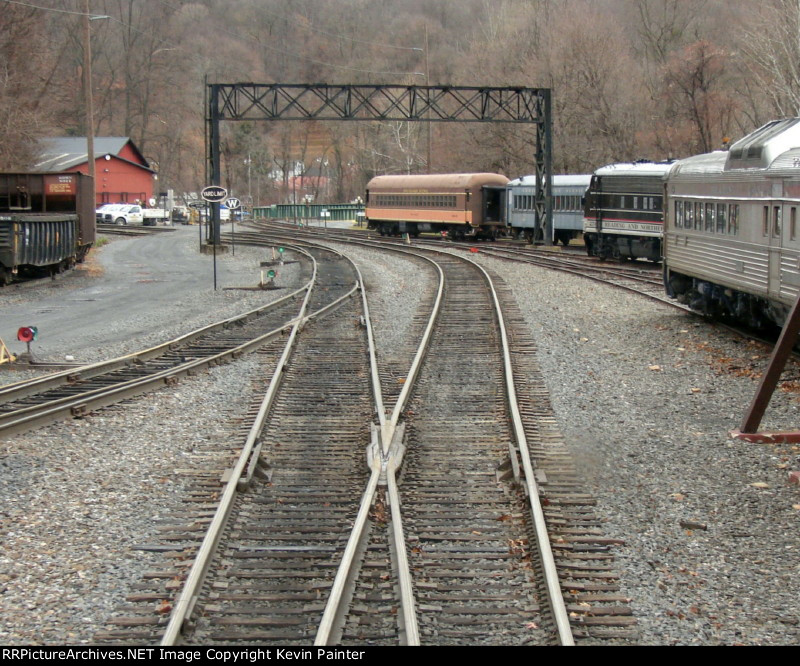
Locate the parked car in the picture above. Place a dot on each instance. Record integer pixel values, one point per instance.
(121, 214)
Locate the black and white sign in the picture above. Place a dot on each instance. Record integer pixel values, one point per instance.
(233, 203)
(214, 194)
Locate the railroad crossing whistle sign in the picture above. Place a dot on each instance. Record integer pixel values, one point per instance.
(214, 194)
(233, 203)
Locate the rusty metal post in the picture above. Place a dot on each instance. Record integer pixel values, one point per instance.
(777, 362)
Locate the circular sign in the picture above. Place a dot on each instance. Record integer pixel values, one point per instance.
(214, 193)
(233, 203)
(27, 334)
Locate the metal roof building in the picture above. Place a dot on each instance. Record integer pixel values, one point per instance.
(123, 174)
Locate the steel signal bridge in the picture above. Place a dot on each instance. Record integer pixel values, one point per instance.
(321, 101)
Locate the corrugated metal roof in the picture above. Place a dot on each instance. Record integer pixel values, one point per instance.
(61, 153)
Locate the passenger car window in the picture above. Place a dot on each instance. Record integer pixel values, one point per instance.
(733, 219)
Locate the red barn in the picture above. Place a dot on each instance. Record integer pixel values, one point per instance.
(122, 173)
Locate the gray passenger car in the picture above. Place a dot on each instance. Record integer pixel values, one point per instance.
(568, 192)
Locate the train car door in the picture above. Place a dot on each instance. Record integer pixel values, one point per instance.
(789, 256)
(494, 199)
(772, 223)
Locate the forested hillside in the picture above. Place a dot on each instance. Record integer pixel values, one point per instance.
(630, 79)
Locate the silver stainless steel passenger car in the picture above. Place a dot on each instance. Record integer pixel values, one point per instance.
(568, 192)
(732, 242)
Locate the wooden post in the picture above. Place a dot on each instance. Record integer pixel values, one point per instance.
(777, 362)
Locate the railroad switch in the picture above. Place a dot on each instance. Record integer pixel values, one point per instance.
(386, 456)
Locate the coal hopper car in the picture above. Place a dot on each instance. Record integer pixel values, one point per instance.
(47, 222)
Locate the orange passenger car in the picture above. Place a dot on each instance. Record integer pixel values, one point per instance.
(462, 205)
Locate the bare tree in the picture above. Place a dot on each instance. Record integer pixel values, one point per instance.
(772, 49)
(26, 74)
(695, 79)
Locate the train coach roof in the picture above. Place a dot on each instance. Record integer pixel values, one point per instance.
(706, 163)
(761, 148)
(773, 147)
(459, 181)
(569, 180)
(635, 169)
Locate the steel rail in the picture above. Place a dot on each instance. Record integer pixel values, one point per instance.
(555, 595)
(385, 459)
(253, 439)
(53, 380)
(84, 402)
(30, 416)
(496, 253)
(381, 459)
(246, 460)
(202, 560)
(552, 582)
(410, 624)
(335, 608)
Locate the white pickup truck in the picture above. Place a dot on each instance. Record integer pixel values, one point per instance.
(120, 214)
(153, 216)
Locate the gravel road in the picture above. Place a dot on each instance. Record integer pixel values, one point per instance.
(130, 292)
(644, 395)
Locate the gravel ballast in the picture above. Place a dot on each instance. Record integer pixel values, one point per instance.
(645, 397)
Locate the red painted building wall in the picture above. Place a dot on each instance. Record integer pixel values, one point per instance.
(118, 181)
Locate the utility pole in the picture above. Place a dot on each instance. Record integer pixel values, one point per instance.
(87, 86)
(428, 82)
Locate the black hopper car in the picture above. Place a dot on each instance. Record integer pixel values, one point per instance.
(47, 222)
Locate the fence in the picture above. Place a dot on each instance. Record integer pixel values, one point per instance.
(335, 212)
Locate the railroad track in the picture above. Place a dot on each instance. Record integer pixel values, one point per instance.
(274, 569)
(191, 537)
(439, 538)
(451, 603)
(638, 277)
(360, 609)
(118, 230)
(76, 392)
(598, 610)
